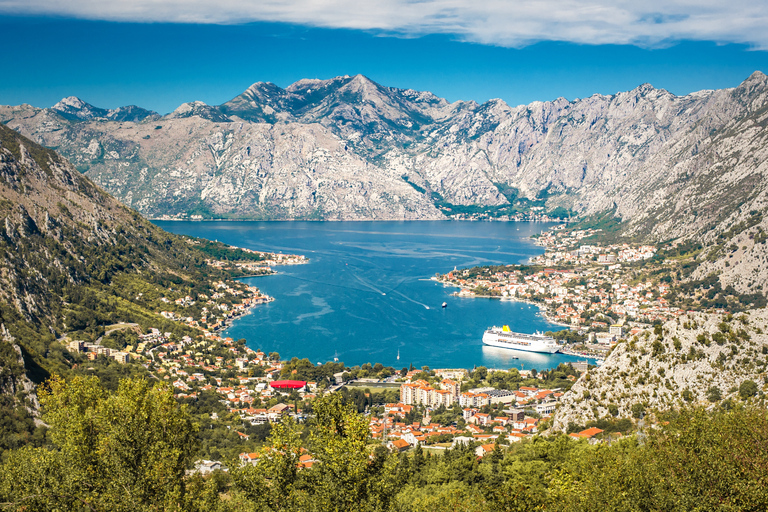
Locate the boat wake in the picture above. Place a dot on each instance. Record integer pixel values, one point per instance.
(410, 299)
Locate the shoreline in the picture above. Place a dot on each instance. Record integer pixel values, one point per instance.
(258, 275)
(542, 312)
(543, 308)
(444, 219)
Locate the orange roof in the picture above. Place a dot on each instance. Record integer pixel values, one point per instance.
(488, 448)
(590, 432)
(400, 443)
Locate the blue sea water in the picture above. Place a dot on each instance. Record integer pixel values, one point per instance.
(366, 295)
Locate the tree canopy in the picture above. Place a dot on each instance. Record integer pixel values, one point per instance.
(128, 449)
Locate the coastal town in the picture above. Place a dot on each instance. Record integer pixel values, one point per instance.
(592, 289)
(585, 287)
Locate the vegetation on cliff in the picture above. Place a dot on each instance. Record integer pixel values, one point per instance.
(72, 261)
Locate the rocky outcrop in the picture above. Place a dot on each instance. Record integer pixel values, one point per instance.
(697, 359)
(14, 381)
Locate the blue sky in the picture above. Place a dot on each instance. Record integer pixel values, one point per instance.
(162, 56)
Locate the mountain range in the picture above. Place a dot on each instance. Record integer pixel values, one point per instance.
(663, 167)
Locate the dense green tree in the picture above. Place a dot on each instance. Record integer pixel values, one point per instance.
(700, 461)
(480, 373)
(272, 483)
(122, 451)
(345, 477)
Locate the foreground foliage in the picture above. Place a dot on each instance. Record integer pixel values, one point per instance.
(128, 450)
(122, 451)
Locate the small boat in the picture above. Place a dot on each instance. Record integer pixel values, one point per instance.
(398, 355)
(445, 305)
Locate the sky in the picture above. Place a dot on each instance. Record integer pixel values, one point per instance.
(158, 54)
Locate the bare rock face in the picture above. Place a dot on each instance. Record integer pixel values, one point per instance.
(349, 148)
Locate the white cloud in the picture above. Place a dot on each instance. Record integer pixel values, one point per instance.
(499, 22)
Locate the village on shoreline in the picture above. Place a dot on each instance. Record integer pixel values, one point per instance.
(591, 289)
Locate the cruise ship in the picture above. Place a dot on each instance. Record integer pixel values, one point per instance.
(503, 337)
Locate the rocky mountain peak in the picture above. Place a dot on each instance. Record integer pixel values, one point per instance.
(756, 77)
(73, 107)
(756, 83)
(199, 109)
(310, 85)
(361, 82)
(132, 113)
(644, 88)
(71, 102)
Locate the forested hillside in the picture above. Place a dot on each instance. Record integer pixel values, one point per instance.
(72, 261)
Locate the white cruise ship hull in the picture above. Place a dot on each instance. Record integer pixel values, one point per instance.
(496, 337)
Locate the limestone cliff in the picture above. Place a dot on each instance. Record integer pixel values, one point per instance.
(348, 148)
(699, 359)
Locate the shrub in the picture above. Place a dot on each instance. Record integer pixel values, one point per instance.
(747, 389)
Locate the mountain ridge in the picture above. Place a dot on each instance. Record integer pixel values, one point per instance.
(665, 167)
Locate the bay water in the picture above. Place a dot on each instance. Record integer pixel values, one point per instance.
(366, 294)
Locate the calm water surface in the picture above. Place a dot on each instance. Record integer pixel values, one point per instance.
(366, 295)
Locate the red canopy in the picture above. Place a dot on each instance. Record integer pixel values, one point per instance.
(288, 384)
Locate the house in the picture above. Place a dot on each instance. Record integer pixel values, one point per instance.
(398, 409)
(484, 449)
(589, 433)
(473, 429)
(411, 438)
(277, 412)
(464, 440)
(580, 366)
(399, 445)
(516, 437)
(206, 467)
(502, 420)
(306, 461)
(480, 419)
(546, 407)
(531, 424)
(485, 437)
(249, 458)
